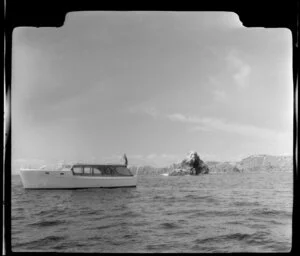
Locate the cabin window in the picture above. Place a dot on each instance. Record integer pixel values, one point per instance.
(46, 172)
(62, 173)
(123, 171)
(109, 171)
(97, 172)
(101, 170)
(78, 170)
(87, 170)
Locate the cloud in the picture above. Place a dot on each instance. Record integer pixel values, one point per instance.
(219, 95)
(215, 124)
(214, 81)
(178, 117)
(199, 128)
(151, 156)
(28, 160)
(170, 156)
(242, 75)
(161, 156)
(240, 69)
(152, 111)
(154, 159)
(208, 157)
(190, 119)
(163, 159)
(141, 109)
(135, 156)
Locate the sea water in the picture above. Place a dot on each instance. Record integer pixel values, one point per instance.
(229, 212)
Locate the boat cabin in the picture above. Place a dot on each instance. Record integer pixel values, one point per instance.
(100, 170)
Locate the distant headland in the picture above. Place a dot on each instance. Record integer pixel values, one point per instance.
(252, 163)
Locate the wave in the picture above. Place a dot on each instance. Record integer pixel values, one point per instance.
(107, 226)
(225, 213)
(48, 223)
(169, 225)
(191, 196)
(244, 203)
(46, 241)
(181, 214)
(222, 238)
(265, 212)
(257, 238)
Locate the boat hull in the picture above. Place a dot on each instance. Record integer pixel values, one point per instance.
(43, 179)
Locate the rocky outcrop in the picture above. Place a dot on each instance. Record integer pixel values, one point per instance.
(266, 163)
(179, 172)
(191, 165)
(222, 167)
(254, 163)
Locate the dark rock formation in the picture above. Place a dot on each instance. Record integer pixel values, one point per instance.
(191, 165)
(179, 172)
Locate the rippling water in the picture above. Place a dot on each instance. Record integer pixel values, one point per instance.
(240, 212)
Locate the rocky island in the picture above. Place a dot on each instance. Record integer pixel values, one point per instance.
(191, 165)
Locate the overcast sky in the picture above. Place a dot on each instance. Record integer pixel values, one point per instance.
(153, 85)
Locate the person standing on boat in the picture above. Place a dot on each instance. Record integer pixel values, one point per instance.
(125, 160)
